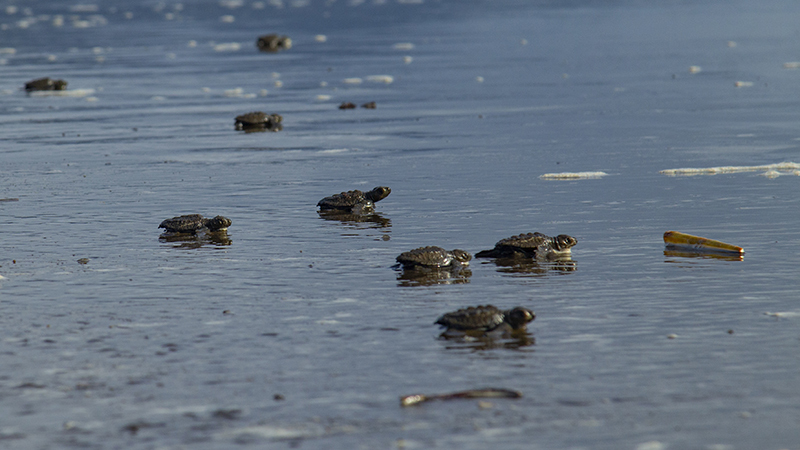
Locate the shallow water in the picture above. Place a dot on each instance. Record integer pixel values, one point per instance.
(158, 344)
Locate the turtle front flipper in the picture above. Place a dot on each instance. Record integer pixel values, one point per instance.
(366, 207)
(493, 253)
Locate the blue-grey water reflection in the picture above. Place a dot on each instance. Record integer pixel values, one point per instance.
(294, 329)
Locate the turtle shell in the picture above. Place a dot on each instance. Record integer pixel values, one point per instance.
(273, 43)
(433, 256)
(258, 119)
(192, 223)
(45, 84)
(486, 318)
(523, 241)
(188, 223)
(355, 199)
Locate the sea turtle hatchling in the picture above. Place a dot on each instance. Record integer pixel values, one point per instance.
(273, 43)
(258, 120)
(531, 245)
(486, 318)
(194, 223)
(433, 257)
(355, 201)
(45, 84)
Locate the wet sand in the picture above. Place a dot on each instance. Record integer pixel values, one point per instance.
(490, 120)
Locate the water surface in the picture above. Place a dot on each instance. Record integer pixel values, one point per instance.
(297, 331)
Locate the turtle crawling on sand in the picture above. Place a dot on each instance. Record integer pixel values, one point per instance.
(194, 223)
(486, 318)
(259, 121)
(531, 245)
(356, 201)
(45, 84)
(433, 257)
(273, 43)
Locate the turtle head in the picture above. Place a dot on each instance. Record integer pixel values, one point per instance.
(59, 85)
(378, 194)
(461, 256)
(519, 316)
(275, 119)
(218, 223)
(564, 242)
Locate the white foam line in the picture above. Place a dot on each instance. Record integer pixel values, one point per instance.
(388, 79)
(403, 46)
(334, 150)
(279, 432)
(783, 314)
(572, 175)
(228, 47)
(785, 166)
(69, 93)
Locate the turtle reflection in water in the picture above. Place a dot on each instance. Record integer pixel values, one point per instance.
(354, 202)
(434, 265)
(532, 245)
(415, 276)
(374, 220)
(533, 268)
(196, 229)
(258, 121)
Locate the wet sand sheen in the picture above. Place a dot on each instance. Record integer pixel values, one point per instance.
(490, 121)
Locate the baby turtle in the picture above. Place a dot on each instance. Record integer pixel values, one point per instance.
(434, 257)
(45, 84)
(486, 318)
(355, 201)
(192, 223)
(257, 121)
(531, 245)
(273, 43)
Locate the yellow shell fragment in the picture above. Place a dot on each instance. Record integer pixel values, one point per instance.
(697, 243)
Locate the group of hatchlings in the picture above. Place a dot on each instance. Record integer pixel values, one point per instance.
(249, 122)
(477, 319)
